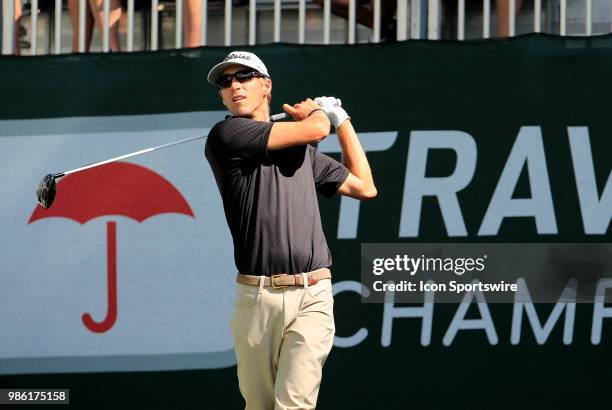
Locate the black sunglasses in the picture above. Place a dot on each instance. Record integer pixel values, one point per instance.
(242, 76)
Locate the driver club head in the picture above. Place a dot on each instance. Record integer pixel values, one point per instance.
(45, 193)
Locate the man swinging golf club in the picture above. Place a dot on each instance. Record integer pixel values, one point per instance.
(268, 175)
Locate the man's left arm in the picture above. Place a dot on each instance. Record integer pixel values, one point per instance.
(359, 184)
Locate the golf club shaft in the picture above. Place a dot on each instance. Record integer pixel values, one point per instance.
(275, 117)
(133, 154)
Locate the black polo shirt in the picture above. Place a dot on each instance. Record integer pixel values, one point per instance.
(269, 197)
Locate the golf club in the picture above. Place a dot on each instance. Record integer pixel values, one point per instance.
(279, 117)
(46, 190)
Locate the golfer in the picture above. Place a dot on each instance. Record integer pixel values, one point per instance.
(268, 174)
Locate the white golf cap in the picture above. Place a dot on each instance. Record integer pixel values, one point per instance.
(237, 57)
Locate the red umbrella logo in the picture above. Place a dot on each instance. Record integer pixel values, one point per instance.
(118, 188)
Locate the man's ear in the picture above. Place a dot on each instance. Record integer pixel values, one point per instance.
(268, 86)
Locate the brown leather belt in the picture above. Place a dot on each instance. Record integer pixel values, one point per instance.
(284, 280)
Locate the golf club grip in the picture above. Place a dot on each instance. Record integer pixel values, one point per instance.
(279, 117)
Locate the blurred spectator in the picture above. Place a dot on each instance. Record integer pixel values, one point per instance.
(94, 12)
(502, 10)
(18, 14)
(97, 9)
(73, 10)
(192, 23)
(364, 14)
(16, 27)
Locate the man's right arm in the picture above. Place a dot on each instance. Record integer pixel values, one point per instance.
(309, 127)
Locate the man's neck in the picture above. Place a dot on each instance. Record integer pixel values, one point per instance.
(261, 114)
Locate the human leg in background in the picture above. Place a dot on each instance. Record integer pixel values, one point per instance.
(192, 23)
(97, 8)
(502, 10)
(18, 13)
(73, 10)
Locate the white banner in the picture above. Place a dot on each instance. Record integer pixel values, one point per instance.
(174, 271)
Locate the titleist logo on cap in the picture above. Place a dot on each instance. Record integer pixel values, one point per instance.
(237, 55)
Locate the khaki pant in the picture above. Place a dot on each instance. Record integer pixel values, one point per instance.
(282, 338)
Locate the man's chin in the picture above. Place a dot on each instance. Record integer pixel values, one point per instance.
(241, 113)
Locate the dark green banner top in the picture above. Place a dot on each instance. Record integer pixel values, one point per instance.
(427, 84)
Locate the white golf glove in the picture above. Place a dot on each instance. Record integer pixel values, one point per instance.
(333, 108)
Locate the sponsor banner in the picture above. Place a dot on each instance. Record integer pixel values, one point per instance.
(131, 263)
